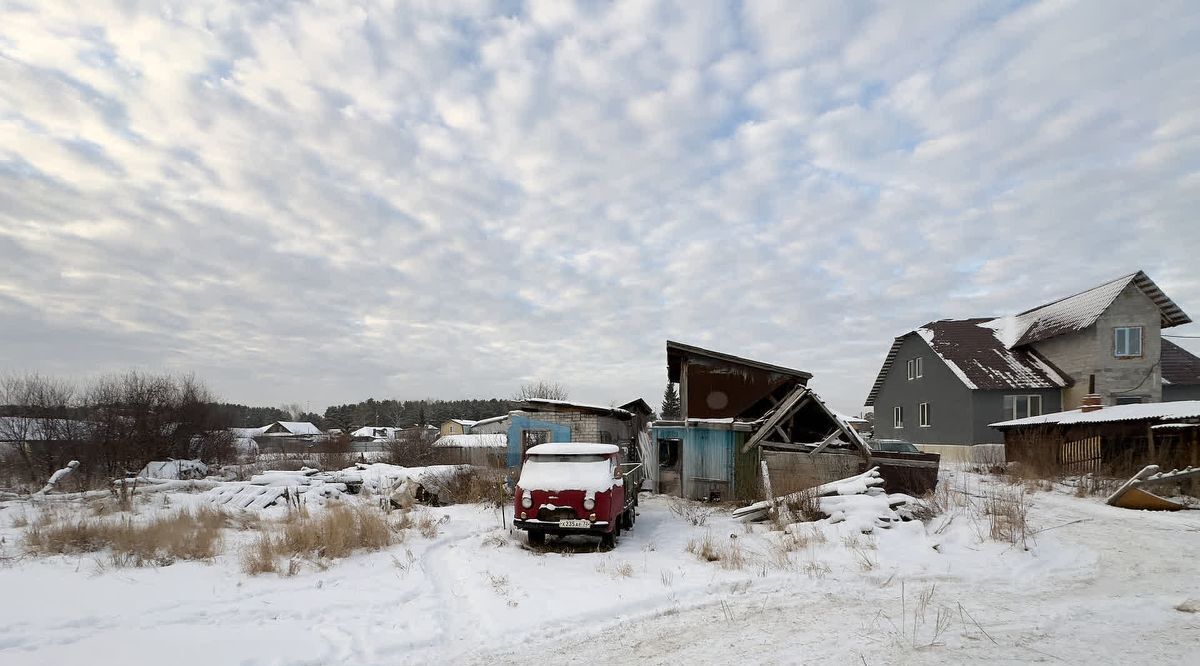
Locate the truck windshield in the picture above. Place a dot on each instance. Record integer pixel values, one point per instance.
(546, 458)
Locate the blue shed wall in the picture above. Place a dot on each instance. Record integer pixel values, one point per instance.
(707, 454)
(558, 433)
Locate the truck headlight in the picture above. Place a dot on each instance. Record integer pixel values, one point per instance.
(589, 504)
(527, 501)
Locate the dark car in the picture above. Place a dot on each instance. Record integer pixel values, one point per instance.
(904, 467)
(893, 446)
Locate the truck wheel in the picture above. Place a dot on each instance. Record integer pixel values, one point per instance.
(627, 519)
(537, 538)
(609, 540)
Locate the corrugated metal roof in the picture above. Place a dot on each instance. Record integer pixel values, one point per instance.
(1078, 311)
(1146, 411)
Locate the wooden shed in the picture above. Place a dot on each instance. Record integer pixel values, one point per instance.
(1118, 439)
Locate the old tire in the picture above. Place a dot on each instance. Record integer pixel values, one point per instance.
(537, 538)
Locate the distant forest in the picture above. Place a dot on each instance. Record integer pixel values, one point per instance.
(371, 412)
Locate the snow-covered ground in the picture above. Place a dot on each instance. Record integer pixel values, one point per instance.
(1097, 584)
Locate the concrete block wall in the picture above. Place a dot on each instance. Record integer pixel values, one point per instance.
(588, 427)
(1090, 352)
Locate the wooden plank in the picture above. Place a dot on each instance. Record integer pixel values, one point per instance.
(829, 439)
(781, 411)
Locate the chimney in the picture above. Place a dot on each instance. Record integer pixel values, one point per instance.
(1091, 402)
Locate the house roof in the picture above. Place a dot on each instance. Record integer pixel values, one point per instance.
(638, 406)
(492, 419)
(1179, 366)
(369, 431)
(299, 427)
(546, 404)
(495, 441)
(463, 422)
(976, 355)
(1078, 311)
(992, 353)
(1146, 411)
(677, 350)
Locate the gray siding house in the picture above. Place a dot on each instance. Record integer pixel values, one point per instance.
(943, 383)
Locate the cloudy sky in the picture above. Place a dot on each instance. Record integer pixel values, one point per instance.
(321, 202)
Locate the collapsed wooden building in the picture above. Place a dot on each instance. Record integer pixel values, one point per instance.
(735, 414)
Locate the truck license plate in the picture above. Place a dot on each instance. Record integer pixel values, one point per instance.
(583, 524)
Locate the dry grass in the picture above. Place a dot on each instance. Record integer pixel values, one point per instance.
(331, 534)
(728, 556)
(1007, 510)
(335, 533)
(259, 557)
(693, 512)
(427, 526)
(186, 535)
(477, 485)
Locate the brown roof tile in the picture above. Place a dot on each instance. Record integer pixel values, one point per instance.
(1179, 366)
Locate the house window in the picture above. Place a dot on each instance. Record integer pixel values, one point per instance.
(912, 369)
(898, 417)
(1127, 341)
(1022, 406)
(923, 414)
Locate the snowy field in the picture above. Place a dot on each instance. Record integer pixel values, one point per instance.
(1093, 584)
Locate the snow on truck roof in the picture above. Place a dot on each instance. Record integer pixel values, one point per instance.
(572, 449)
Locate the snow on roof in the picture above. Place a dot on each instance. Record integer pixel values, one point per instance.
(1078, 311)
(1174, 426)
(572, 449)
(463, 422)
(577, 405)
(248, 433)
(493, 441)
(490, 420)
(995, 354)
(849, 419)
(299, 427)
(1146, 411)
(981, 361)
(369, 431)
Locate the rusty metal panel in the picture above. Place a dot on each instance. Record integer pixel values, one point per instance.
(707, 463)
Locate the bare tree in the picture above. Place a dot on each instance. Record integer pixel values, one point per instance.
(37, 418)
(541, 388)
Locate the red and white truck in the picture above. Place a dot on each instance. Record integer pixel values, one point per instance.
(576, 489)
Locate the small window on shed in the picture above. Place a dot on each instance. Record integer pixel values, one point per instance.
(898, 417)
(911, 369)
(920, 365)
(923, 414)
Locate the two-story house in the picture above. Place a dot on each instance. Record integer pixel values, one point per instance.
(943, 383)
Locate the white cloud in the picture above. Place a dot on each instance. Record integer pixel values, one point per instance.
(441, 199)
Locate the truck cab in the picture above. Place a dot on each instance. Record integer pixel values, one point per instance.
(576, 489)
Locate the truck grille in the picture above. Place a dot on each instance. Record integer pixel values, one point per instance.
(556, 514)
